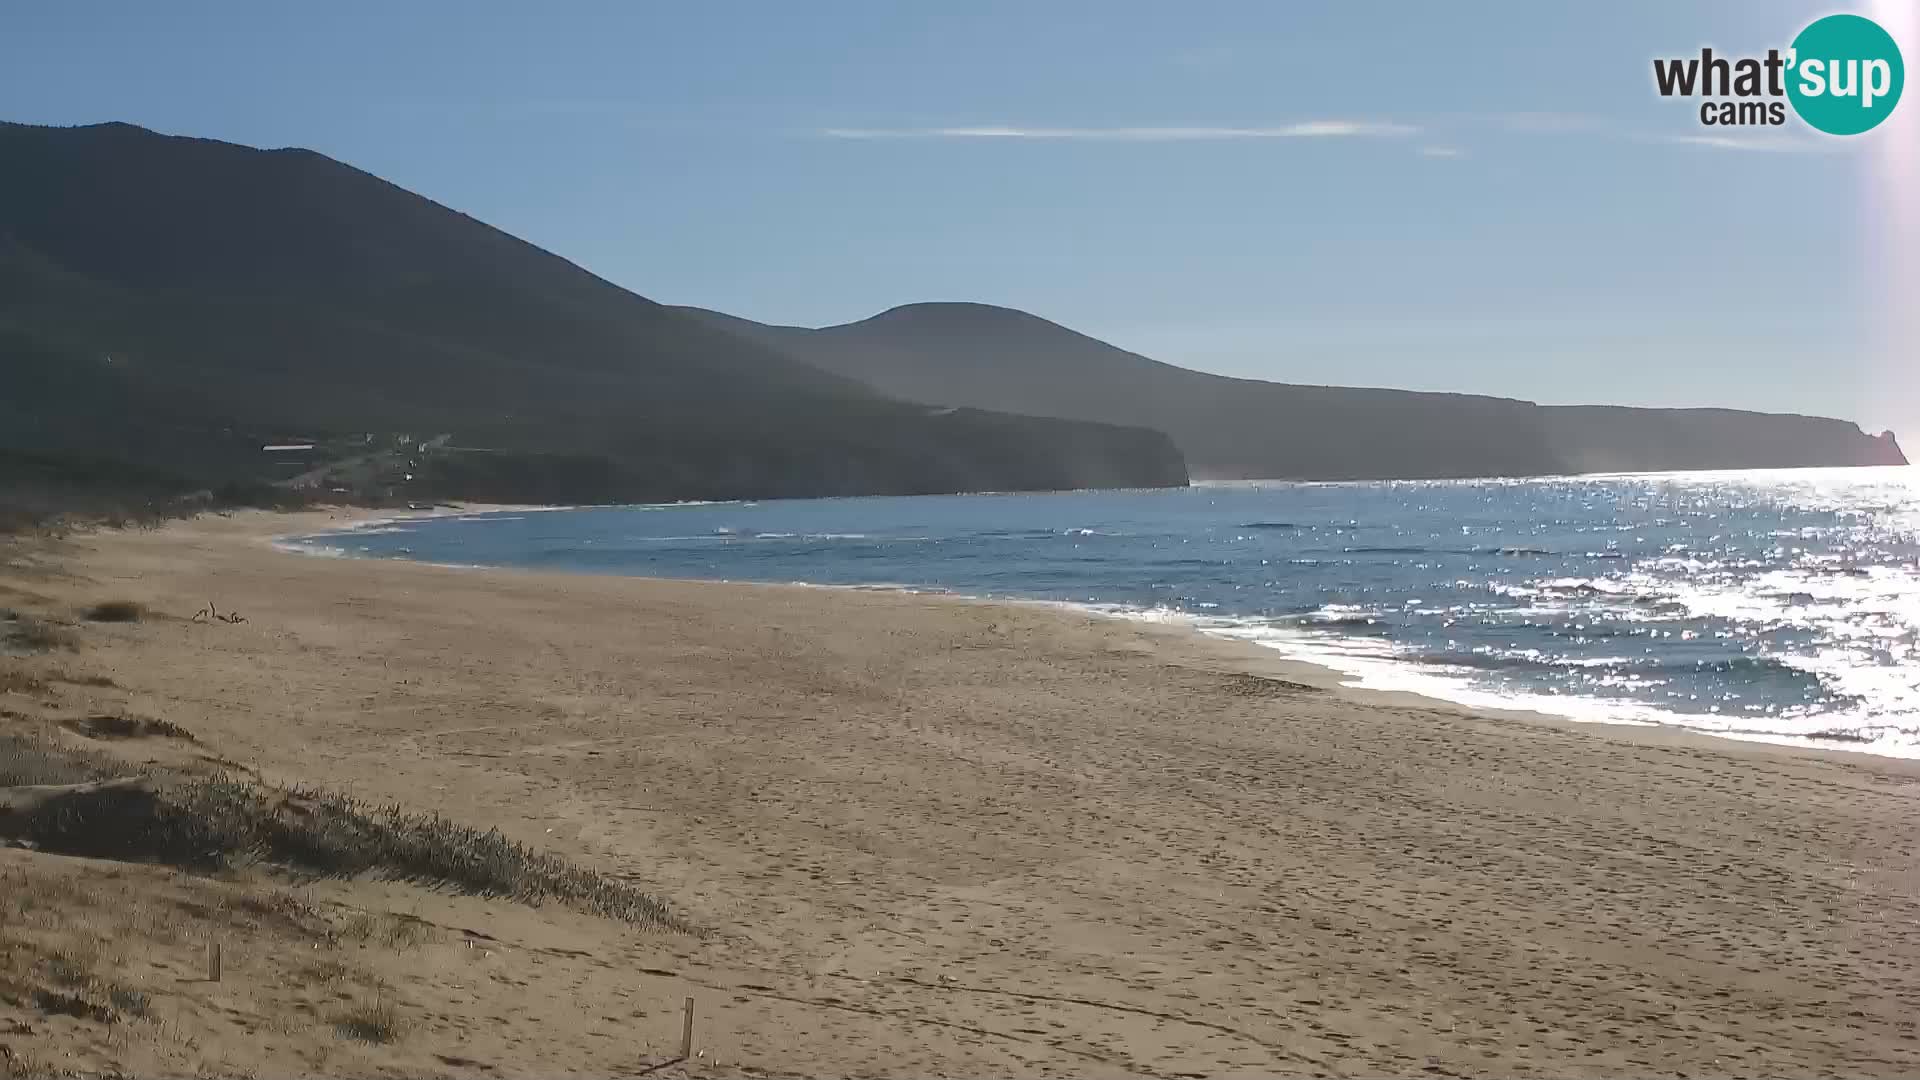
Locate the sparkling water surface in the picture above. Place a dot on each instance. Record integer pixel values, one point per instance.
(1778, 605)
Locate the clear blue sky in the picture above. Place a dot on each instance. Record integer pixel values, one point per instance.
(1480, 197)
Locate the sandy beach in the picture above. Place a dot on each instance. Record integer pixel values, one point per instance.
(931, 836)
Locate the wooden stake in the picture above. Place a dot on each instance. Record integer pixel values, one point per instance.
(213, 961)
(686, 1034)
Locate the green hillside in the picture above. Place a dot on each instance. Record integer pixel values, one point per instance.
(181, 302)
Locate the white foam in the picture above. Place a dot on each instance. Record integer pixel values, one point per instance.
(1367, 663)
(310, 546)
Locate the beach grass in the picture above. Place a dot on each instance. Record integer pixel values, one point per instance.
(376, 1021)
(214, 822)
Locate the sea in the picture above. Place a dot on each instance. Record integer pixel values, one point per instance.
(1780, 606)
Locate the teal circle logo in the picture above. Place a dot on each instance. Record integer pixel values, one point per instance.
(1845, 74)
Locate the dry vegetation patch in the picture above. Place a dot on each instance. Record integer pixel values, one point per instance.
(213, 822)
(18, 676)
(33, 634)
(376, 1021)
(32, 762)
(105, 968)
(105, 965)
(98, 682)
(18, 680)
(115, 611)
(128, 726)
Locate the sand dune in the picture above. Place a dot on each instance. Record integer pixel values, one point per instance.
(934, 836)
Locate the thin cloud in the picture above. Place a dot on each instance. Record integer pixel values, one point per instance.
(1516, 123)
(1312, 129)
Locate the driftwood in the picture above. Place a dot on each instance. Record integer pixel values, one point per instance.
(19, 804)
(213, 614)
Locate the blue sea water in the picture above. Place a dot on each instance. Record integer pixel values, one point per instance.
(1777, 605)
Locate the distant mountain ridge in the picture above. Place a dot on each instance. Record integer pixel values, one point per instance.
(178, 301)
(998, 358)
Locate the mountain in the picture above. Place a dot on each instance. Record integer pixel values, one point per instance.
(179, 302)
(990, 357)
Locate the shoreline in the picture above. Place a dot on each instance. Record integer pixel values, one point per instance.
(938, 835)
(1306, 663)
